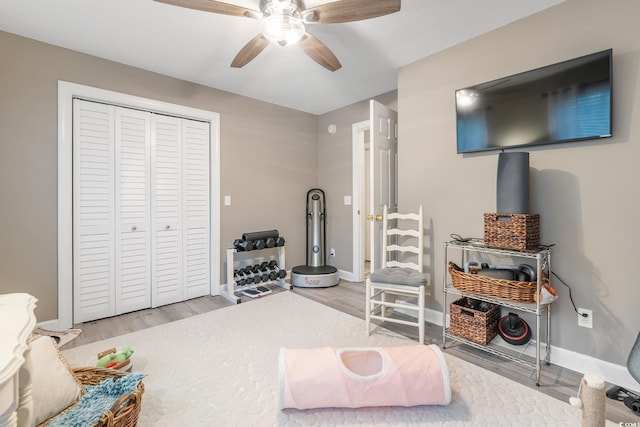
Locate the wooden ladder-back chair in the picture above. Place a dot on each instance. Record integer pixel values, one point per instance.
(398, 276)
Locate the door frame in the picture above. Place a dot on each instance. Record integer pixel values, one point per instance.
(66, 92)
(359, 197)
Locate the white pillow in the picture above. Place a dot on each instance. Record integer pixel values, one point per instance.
(53, 386)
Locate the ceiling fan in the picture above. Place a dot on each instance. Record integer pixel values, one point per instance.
(283, 21)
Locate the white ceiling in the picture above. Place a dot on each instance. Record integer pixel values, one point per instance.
(199, 46)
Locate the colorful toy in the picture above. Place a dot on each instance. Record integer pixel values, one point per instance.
(116, 359)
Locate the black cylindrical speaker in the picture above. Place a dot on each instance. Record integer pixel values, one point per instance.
(513, 183)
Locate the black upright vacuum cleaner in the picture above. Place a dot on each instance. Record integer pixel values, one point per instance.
(315, 274)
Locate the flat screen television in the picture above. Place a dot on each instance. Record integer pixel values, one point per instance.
(567, 101)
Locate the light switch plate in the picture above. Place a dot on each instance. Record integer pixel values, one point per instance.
(227, 200)
(347, 200)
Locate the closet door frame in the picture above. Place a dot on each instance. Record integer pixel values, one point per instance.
(66, 93)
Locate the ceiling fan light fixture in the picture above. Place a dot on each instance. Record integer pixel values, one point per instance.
(283, 28)
(283, 23)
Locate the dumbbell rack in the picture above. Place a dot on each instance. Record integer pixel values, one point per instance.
(234, 258)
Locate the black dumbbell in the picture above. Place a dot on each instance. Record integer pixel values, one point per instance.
(281, 274)
(280, 241)
(238, 277)
(264, 266)
(273, 275)
(249, 280)
(243, 245)
(258, 244)
(264, 277)
(270, 242)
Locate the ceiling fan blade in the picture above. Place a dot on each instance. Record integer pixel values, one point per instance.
(215, 7)
(319, 52)
(350, 10)
(250, 51)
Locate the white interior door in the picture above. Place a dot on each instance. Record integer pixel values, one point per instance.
(133, 209)
(367, 191)
(111, 210)
(196, 222)
(383, 160)
(93, 211)
(166, 210)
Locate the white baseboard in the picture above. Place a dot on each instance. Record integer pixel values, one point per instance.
(610, 372)
(434, 316)
(346, 275)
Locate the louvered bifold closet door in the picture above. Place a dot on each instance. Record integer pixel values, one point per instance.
(196, 221)
(133, 209)
(166, 210)
(93, 211)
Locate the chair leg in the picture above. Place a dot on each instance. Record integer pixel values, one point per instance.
(368, 307)
(421, 315)
(383, 308)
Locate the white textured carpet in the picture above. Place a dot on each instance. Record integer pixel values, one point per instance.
(220, 369)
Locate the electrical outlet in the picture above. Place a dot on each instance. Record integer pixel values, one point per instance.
(585, 321)
(332, 252)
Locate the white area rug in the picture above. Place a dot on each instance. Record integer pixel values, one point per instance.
(221, 369)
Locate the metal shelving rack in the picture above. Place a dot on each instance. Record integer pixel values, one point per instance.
(543, 263)
(228, 290)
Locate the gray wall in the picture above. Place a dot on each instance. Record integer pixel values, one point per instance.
(335, 162)
(268, 158)
(585, 192)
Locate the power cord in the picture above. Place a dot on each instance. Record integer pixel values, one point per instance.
(570, 296)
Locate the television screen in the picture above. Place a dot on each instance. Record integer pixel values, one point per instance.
(567, 101)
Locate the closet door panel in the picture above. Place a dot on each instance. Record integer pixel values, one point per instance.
(93, 211)
(133, 208)
(166, 206)
(196, 204)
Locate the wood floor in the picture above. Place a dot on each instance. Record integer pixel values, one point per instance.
(347, 297)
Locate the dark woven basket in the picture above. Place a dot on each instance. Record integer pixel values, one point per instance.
(474, 325)
(495, 288)
(512, 231)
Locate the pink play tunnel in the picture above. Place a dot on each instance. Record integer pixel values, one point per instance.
(358, 377)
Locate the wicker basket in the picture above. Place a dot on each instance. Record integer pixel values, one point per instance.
(491, 287)
(512, 231)
(474, 325)
(123, 413)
